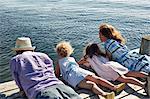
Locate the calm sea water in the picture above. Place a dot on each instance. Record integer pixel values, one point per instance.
(47, 22)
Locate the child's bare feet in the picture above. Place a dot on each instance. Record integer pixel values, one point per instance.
(110, 95)
(120, 87)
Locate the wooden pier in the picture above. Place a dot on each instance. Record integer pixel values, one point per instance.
(9, 90)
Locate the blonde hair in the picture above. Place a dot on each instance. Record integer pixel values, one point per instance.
(64, 49)
(111, 32)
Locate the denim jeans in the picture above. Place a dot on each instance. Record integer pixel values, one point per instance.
(60, 91)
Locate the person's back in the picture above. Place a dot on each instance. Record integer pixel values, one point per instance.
(34, 74)
(116, 49)
(34, 70)
(71, 71)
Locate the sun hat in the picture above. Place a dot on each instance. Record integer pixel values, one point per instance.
(23, 43)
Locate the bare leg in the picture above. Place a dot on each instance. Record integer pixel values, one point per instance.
(136, 74)
(130, 80)
(103, 82)
(91, 86)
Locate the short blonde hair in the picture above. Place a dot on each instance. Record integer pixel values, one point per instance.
(64, 49)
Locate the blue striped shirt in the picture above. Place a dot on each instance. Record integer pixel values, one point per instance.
(133, 61)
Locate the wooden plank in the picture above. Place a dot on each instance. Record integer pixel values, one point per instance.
(145, 45)
(8, 88)
(11, 90)
(87, 94)
(130, 92)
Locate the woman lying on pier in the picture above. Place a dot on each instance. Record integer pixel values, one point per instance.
(78, 77)
(116, 49)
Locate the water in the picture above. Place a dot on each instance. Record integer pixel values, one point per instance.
(49, 21)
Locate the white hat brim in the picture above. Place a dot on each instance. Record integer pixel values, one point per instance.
(26, 48)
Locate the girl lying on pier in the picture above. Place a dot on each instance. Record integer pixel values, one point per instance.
(78, 77)
(109, 70)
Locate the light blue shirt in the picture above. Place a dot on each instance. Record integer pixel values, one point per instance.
(33, 72)
(71, 71)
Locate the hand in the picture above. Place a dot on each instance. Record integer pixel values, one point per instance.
(82, 61)
(22, 93)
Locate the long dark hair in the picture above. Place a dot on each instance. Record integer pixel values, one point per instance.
(93, 49)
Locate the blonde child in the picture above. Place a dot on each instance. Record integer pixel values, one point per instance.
(109, 70)
(78, 77)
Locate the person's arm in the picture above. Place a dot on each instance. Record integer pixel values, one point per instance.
(82, 61)
(108, 55)
(15, 75)
(22, 93)
(57, 70)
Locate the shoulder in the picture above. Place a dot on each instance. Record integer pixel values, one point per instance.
(39, 53)
(16, 57)
(110, 41)
(68, 58)
(94, 58)
(71, 58)
(43, 56)
(13, 60)
(13, 63)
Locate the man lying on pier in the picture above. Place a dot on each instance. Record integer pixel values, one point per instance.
(34, 74)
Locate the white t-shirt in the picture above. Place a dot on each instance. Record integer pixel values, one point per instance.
(106, 69)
